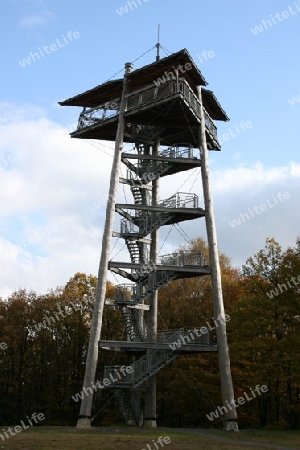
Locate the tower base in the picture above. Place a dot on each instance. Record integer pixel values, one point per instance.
(84, 423)
(231, 425)
(130, 422)
(150, 423)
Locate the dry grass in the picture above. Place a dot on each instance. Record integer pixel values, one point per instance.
(46, 438)
(276, 437)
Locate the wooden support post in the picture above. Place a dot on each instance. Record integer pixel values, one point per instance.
(150, 396)
(223, 352)
(84, 420)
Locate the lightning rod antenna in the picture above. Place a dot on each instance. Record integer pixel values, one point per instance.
(158, 44)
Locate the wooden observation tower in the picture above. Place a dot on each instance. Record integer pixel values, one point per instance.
(165, 113)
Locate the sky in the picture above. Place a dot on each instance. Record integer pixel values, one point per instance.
(54, 188)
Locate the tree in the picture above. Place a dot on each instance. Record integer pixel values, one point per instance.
(266, 334)
(191, 384)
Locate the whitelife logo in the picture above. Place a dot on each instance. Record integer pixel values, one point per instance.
(105, 382)
(279, 17)
(294, 100)
(49, 320)
(124, 9)
(187, 338)
(279, 289)
(162, 441)
(9, 161)
(33, 57)
(168, 76)
(241, 400)
(39, 235)
(259, 209)
(33, 420)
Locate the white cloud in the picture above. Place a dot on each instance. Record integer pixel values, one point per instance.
(36, 19)
(238, 191)
(255, 176)
(56, 181)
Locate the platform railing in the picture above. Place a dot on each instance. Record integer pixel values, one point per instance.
(105, 111)
(183, 259)
(118, 374)
(90, 116)
(143, 368)
(194, 335)
(128, 227)
(181, 200)
(179, 151)
(126, 293)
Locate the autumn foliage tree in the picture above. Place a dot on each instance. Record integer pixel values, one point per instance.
(46, 338)
(266, 335)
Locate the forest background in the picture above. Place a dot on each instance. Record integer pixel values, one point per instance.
(44, 338)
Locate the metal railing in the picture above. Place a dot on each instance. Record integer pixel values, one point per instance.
(179, 151)
(150, 363)
(116, 373)
(128, 227)
(126, 293)
(90, 116)
(155, 359)
(193, 334)
(183, 259)
(181, 200)
(143, 368)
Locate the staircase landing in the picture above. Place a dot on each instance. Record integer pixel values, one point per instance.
(142, 347)
(183, 272)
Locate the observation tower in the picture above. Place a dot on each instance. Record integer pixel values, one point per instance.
(164, 110)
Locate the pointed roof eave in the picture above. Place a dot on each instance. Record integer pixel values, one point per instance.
(212, 106)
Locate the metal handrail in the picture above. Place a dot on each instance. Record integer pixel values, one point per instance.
(183, 259)
(181, 200)
(171, 336)
(179, 151)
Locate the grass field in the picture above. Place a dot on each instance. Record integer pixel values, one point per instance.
(285, 438)
(60, 438)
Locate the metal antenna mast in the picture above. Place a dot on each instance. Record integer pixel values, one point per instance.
(158, 43)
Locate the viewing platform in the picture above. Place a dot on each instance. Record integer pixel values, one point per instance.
(183, 340)
(151, 277)
(146, 167)
(177, 208)
(153, 356)
(171, 106)
(184, 264)
(159, 103)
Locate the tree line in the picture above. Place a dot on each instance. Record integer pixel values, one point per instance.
(44, 339)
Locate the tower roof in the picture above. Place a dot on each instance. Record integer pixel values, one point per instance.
(147, 75)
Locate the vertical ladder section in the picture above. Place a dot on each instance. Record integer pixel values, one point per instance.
(134, 250)
(128, 404)
(135, 332)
